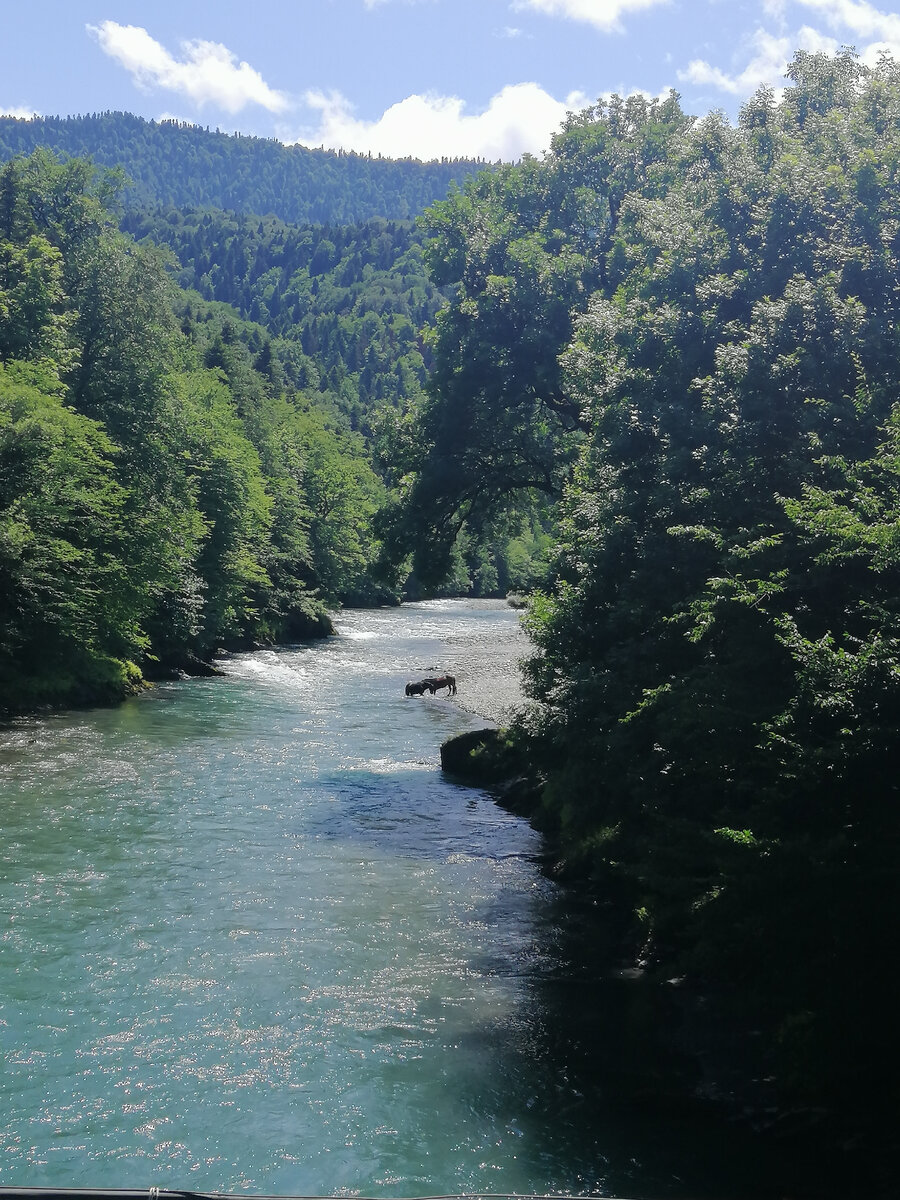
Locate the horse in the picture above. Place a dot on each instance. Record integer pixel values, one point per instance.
(417, 689)
(443, 681)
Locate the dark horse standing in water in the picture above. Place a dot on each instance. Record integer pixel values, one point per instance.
(416, 689)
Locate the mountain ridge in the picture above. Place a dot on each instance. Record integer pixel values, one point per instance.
(185, 165)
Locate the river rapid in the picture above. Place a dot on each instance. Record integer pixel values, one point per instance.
(252, 939)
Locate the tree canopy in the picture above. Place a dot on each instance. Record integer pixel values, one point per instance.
(688, 332)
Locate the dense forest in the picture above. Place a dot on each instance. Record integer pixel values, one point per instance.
(347, 312)
(345, 304)
(689, 332)
(176, 164)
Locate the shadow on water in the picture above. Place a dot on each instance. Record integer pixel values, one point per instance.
(634, 1090)
(582, 1051)
(416, 813)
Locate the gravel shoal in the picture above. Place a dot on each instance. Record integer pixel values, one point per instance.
(489, 677)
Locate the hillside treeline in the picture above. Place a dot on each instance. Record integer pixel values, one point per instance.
(177, 164)
(691, 330)
(162, 492)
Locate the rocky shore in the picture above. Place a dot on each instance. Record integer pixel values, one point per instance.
(490, 679)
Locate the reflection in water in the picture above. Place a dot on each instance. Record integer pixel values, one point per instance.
(253, 939)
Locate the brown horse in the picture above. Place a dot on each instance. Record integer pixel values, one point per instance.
(442, 681)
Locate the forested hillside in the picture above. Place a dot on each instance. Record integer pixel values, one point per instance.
(163, 493)
(690, 330)
(348, 303)
(186, 166)
(347, 312)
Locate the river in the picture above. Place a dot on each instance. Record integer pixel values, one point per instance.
(252, 939)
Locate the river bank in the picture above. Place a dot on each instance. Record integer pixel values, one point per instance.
(680, 1049)
(104, 683)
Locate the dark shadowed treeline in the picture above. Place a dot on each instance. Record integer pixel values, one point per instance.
(689, 333)
(163, 492)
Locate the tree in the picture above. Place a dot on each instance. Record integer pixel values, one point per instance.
(521, 249)
(68, 629)
(714, 682)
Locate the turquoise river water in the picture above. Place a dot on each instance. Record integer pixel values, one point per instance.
(252, 939)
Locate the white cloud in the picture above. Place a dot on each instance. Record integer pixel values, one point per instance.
(775, 9)
(519, 119)
(207, 73)
(603, 14)
(24, 114)
(853, 21)
(767, 66)
(862, 19)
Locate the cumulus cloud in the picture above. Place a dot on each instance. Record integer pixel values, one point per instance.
(852, 21)
(604, 15)
(207, 72)
(24, 114)
(766, 68)
(775, 8)
(519, 119)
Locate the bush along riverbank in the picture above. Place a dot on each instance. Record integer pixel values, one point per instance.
(102, 683)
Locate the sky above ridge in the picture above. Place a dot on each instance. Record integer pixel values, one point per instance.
(423, 78)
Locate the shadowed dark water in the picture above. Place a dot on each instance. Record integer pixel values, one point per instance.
(250, 938)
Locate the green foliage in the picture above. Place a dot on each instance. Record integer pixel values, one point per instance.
(714, 388)
(343, 305)
(62, 538)
(522, 248)
(164, 491)
(340, 308)
(229, 490)
(31, 281)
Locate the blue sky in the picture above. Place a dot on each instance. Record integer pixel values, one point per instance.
(428, 78)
